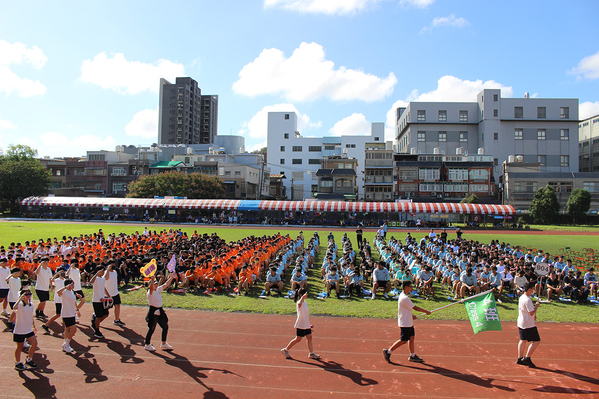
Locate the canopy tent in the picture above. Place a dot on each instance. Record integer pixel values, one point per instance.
(255, 205)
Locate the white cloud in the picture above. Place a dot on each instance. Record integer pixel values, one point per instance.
(19, 53)
(257, 126)
(56, 144)
(7, 125)
(416, 3)
(329, 7)
(451, 21)
(308, 76)
(144, 124)
(130, 77)
(588, 67)
(256, 147)
(588, 109)
(353, 125)
(449, 88)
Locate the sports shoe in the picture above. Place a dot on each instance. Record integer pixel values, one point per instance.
(46, 329)
(373, 296)
(520, 361)
(118, 323)
(67, 348)
(387, 355)
(20, 367)
(386, 296)
(499, 301)
(286, 353)
(314, 356)
(98, 334)
(150, 348)
(416, 359)
(528, 362)
(5, 313)
(263, 293)
(165, 346)
(30, 365)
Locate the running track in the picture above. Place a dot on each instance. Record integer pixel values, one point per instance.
(236, 355)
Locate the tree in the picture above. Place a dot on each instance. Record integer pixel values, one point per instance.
(472, 199)
(260, 151)
(192, 186)
(544, 207)
(21, 175)
(579, 203)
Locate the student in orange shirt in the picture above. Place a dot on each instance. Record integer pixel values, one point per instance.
(213, 279)
(245, 281)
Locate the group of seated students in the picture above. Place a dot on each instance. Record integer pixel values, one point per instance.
(469, 267)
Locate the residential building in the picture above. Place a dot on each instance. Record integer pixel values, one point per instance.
(588, 144)
(67, 176)
(336, 179)
(538, 129)
(379, 172)
(185, 116)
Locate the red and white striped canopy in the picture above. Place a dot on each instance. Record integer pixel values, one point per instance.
(316, 206)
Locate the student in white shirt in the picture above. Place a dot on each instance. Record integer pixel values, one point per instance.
(100, 295)
(302, 325)
(112, 288)
(58, 282)
(42, 286)
(4, 276)
(156, 314)
(24, 330)
(68, 311)
(527, 315)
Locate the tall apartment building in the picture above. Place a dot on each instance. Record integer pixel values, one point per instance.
(185, 116)
(541, 130)
(588, 144)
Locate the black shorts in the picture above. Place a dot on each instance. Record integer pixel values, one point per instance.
(3, 293)
(11, 304)
(58, 307)
(302, 332)
(116, 300)
(80, 293)
(99, 310)
(382, 283)
(68, 321)
(529, 334)
(407, 333)
(43, 296)
(22, 337)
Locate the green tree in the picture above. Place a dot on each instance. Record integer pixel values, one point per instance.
(260, 151)
(544, 207)
(472, 199)
(21, 175)
(192, 186)
(579, 203)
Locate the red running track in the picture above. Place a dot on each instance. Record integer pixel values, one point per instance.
(237, 355)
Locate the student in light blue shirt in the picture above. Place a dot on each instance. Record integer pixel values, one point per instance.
(332, 281)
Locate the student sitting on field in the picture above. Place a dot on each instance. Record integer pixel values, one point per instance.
(213, 280)
(354, 282)
(298, 280)
(332, 281)
(426, 282)
(380, 279)
(553, 285)
(273, 280)
(245, 280)
(520, 283)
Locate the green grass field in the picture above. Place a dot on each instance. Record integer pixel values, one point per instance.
(355, 307)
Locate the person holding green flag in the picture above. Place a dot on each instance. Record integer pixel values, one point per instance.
(527, 315)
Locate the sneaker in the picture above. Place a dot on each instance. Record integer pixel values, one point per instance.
(165, 346)
(30, 365)
(150, 348)
(386, 296)
(46, 329)
(286, 353)
(314, 356)
(387, 355)
(520, 361)
(98, 334)
(263, 293)
(118, 323)
(5, 313)
(416, 359)
(373, 296)
(67, 348)
(528, 362)
(20, 367)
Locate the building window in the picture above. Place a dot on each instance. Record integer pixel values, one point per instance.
(237, 173)
(495, 112)
(495, 162)
(541, 134)
(463, 116)
(286, 116)
(495, 136)
(282, 161)
(564, 113)
(428, 174)
(376, 139)
(286, 135)
(313, 161)
(421, 115)
(282, 148)
(541, 112)
(542, 159)
(518, 112)
(495, 97)
(463, 137)
(119, 186)
(525, 187)
(421, 136)
(458, 174)
(442, 116)
(591, 186)
(442, 136)
(297, 148)
(564, 134)
(297, 161)
(315, 148)
(518, 133)
(350, 146)
(565, 161)
(329, 147)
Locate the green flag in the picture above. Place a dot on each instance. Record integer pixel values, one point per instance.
(483, 314)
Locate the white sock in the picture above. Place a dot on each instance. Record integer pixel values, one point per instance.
(412, 354)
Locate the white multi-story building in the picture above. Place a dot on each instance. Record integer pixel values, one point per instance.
(300, 157)
(588, 144)
(540, 130)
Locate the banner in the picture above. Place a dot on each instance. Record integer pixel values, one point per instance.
(483, 314)
(150, 269)
(171, 264)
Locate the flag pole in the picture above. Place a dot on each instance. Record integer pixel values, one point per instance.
(458, 302)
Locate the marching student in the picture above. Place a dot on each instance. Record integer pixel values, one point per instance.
(112, 288)
(156, 314)
(68, 311)
(75, 274)
(24, 330)
(302, 325)
(527, 315)
(4, 276)
(42, 286)
(100, 311)
(58, 282)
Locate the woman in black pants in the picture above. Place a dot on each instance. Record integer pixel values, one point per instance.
(156, 314)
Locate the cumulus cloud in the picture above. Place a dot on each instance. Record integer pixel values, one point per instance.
(416, 3)
(144, 124)
(451, 21)
(7, 125)
(449, 88)
(59, 145)
(19, 53)
(307, 75)
(257, 126)
(588, 67)
(588, 109)
(353, 125)
(329, 7)
(130, 77)
(257, 146)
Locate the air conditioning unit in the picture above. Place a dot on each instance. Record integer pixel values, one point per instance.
(446, 194)
(490, 192)
(433, 194)
(368, 196)
(368, 177)
(440, 196)
(464, 194)
(412, 194)
(388, 196)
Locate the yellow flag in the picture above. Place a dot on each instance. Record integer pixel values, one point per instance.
(150, 269)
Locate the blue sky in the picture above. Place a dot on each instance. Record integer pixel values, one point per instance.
(77, 76)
